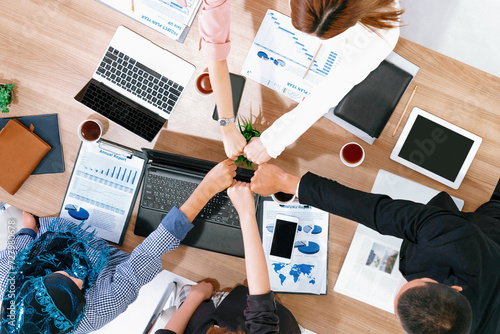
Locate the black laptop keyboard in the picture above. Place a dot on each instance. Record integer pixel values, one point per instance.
(162, 193)
(139, 80)
(131, 116)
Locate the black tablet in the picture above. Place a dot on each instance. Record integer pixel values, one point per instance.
(436, 148)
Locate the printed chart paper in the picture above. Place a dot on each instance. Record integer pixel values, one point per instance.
(102, 190)
(164, 16)
(307, 273)
(280, 55)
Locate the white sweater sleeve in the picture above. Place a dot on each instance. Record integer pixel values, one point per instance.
(361, 51)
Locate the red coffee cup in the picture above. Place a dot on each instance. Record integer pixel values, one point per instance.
(203, 85)
(352, 154)
(90, 130)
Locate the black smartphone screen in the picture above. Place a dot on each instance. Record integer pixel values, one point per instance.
(283, 238)
(237, 84)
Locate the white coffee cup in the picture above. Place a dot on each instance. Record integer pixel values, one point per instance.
(90, 130)
(279, 198)
(352, 154)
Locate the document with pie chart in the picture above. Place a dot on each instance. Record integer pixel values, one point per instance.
(103, 188)
(307, 272)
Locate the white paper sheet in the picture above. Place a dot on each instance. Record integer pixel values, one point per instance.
(164, 16)
(102, 187)
(280, 55)
(307, 273)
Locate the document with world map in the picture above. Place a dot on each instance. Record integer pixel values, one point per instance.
(307, 272)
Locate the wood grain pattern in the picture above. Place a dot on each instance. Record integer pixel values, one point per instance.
(51, 48)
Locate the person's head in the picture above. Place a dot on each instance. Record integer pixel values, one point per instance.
(66, 294)
(329, 18)
(48, 280)
(50, 304)
(426, 306)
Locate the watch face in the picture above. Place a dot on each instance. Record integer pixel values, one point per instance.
(224, 122)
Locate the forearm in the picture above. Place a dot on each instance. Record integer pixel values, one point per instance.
(400, 218)
(357, 63)
(198, 199)
(289, 127)
(255, 259)
(221, 85)
(118, 287)
(181, 317)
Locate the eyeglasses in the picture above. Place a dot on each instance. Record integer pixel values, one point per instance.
(277, 62)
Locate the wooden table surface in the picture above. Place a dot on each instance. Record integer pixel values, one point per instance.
(51, 48)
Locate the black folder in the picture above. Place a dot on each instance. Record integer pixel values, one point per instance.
(369, 105)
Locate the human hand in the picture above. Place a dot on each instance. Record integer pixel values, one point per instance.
(233, 140)
(256, 152)
(29, 221)
(201, 291)
(242, 198)
(220, 177)
(269, 179)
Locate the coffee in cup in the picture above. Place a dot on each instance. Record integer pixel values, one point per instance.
(203, 85)
(352, 154)
(283, 198)
(90, 130)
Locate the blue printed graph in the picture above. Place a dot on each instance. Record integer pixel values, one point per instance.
(114, 173)
(310, 248)
(111, 198)
(284, 43)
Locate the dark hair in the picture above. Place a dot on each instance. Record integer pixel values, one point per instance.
(223, 330)
(434, 308)
(329, 18)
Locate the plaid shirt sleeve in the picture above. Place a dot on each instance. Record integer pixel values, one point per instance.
(119, 283)
(16, 243)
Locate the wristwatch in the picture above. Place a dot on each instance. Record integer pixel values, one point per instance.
(225, 121)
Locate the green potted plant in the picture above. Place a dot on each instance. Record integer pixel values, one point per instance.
(6, 93)
(248, 131)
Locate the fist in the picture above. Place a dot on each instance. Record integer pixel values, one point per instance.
(220, 177)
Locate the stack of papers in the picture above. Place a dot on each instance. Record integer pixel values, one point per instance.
(164, 16)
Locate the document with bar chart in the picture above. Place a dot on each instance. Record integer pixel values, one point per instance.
(280, 56)
(103, 188)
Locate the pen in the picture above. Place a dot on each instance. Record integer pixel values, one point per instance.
(312, 61)
(404, 111)
(132, 5)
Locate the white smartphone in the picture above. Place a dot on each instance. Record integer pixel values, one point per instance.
(284, 232)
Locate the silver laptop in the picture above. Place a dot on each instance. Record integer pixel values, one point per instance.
(137, 84)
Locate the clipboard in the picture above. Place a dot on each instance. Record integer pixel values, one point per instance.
(103, 187)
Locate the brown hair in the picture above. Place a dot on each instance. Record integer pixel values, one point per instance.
(222, 330)
(329, 18)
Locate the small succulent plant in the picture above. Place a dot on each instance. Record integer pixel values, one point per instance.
(5, 96)
(248, 131)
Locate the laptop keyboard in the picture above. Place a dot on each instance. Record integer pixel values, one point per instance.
(132, 117)
(163, 192)
(139, 80)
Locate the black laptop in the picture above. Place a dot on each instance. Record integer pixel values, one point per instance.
(169, 180)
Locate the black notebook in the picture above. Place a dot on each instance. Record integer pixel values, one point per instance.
(369, 105)
(47, 128)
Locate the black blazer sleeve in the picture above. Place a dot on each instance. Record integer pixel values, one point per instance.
(400, 218)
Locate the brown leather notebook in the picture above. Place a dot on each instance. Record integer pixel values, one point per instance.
(20, 152)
